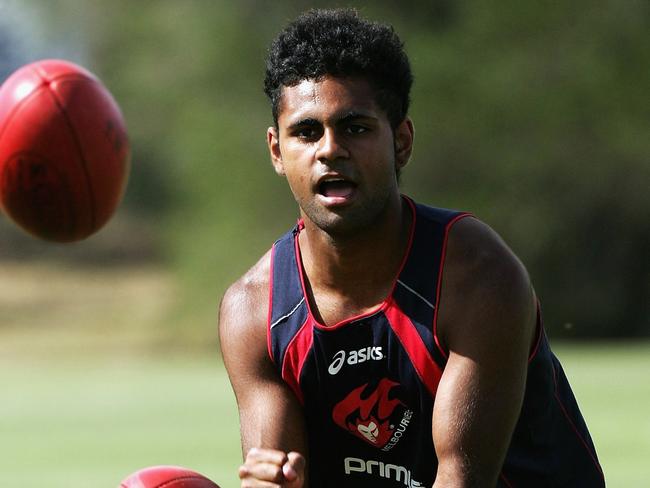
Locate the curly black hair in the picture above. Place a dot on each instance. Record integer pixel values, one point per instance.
(340, 43)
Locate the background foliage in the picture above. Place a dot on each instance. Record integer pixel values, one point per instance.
(533, 115)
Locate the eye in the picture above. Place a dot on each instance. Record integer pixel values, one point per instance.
(307, 133)
(356, 129)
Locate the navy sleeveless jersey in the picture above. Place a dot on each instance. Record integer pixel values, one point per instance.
(368, 384)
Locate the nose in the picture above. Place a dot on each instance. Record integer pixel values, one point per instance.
(331, 146)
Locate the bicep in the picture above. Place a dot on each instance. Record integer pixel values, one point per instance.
(476, 409)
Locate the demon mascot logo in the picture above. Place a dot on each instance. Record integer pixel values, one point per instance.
(372, 415)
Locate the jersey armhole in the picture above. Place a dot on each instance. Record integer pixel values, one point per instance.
(441, 347)
(269, 345)
(539, 332)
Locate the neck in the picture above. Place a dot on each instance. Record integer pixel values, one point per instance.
(360, 267)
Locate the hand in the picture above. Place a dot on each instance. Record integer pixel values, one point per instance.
(269, 468)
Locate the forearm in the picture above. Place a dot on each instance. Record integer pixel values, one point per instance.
(274, 420)
(460, 472)
(273, 441)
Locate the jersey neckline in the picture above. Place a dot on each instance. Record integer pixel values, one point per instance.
(383, 305)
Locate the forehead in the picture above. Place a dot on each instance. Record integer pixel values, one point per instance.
(325, 98)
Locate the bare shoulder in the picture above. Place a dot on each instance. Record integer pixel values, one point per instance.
(486, 289)
(474, 247)
(243, 310)
(250, 292)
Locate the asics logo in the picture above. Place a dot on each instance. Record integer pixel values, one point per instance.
(370, 353)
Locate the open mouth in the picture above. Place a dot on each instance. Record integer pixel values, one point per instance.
(336, 188)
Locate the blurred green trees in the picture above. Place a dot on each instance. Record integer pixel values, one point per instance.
(533, 115)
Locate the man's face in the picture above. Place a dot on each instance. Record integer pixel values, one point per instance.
(338, 152)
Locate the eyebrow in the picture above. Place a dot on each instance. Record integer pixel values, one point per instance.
(346, 118)
(354, 116)
(308, 122)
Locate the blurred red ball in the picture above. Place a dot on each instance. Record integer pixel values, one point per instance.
(167, 477)
(64, 151)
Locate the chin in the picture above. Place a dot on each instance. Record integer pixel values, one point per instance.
(345, 222)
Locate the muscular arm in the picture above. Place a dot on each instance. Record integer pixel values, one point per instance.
(271, 418)
(487, 322)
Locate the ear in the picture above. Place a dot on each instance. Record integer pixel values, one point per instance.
(404, 133)
(273, 141)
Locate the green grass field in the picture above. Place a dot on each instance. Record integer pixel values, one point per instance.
(84, 403)
(612, 384)
(78, 424)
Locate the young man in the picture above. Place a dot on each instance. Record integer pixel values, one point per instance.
(383, 343)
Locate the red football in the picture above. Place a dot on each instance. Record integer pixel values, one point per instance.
(64, 151)
(167, 477)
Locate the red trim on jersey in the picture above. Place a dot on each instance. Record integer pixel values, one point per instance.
(384, 304)
(573, 426)
(426, 368)
(295, 356)
(505, 480)
(443, 252)
(539, 330)
(270, 312)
